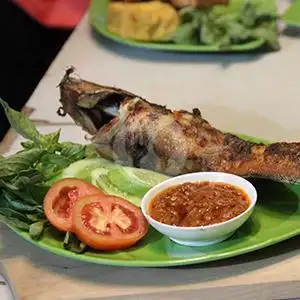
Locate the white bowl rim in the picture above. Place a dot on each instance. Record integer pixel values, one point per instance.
(191, 228)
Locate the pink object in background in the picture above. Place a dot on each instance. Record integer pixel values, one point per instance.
(55, 13)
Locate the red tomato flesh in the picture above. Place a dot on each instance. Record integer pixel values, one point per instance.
(61, 198)
(108, 223)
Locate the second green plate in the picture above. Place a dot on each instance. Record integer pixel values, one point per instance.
(292, 15)
(98, 12)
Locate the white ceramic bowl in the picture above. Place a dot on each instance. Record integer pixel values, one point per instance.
(201, 235)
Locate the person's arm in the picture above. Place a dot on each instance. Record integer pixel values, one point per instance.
(55, 13)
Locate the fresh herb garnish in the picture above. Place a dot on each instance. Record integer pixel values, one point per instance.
(210, 27)
(36, 229)
(72, 243)
(26, 175)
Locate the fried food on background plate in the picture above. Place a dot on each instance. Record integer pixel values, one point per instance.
(144, 21)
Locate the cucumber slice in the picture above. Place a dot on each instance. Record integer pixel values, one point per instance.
(99, 179)
(134, 181)
(82, 169)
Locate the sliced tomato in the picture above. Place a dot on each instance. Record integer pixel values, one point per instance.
(108, 222)
(60, 200)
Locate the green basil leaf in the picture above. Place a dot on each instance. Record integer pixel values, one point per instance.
(29, 177)
(72, 243)
(35, 217)
(3, 202)
(28, 145)
(21, 123)
(10, 213)
(17, 203)
(191, 15)
(36, 229)
(72, 151)
(30, 194)
(35, 193)
(8, 185)
(50, 141)
(21, 161)
(187, 14)
(52, 138)
(26, 128)
(52, 164)
(90, 151)
(187, 34)
(225, 43)
(269, 35)
(15, 223)
(19, 182)
(210, 34)
(248, 13)
(237, 32)
(55, 159)
(50, 171)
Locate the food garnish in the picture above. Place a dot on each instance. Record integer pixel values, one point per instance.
(198, 204)
(41, 184)
(25, 176)
(61, 198)
(213, 27)
(108, 223)
(133, 180)
(100, 179)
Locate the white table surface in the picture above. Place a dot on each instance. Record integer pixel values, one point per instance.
(4, 291)
(250, 93)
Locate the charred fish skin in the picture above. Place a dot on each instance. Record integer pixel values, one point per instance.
(130, 130)
(90, 105)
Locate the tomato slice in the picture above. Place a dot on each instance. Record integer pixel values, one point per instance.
(60, 200)
(108, 222)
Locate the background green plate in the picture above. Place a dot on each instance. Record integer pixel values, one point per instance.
(292, 15)
(98, 12)
(276, 218)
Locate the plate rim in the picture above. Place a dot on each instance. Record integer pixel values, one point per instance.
(155, 264)
(286, 15)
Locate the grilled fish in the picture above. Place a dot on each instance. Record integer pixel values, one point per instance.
(130, 130)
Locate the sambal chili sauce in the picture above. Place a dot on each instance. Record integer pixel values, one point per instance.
(198, 204)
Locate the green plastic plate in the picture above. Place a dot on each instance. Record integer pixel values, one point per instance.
(292, 15)
(98, 12)
(276, 218)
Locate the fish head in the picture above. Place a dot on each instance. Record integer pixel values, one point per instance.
(90, 105)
